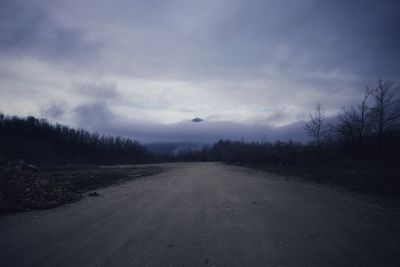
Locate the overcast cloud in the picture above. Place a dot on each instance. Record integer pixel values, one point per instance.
(119, 66)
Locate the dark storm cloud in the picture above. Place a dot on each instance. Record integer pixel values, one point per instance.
(357, 37)
(55, 111)
(184, 39)
(276, 116)
(99, 91)
(94, 116)
(27, 29)
(363, 35)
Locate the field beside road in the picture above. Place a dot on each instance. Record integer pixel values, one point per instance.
(208, 214)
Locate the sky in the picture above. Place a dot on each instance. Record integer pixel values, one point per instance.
(128, 67)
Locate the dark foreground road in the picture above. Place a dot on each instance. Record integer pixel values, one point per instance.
(208, 214)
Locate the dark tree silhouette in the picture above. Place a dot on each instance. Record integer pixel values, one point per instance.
(386, 111)
(354, 123)
(316, 127)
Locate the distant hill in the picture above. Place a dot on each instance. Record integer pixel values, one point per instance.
(173, 148)
(208, 132)
(189, 136)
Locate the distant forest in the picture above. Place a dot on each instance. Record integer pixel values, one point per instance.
(39, 142)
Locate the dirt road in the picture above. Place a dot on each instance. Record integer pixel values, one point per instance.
(208, 214)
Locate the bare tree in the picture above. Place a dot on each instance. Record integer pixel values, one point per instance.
(386, 111)
(316, 127)
(353, 123)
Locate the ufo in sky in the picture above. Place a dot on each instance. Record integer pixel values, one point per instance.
(197, 120)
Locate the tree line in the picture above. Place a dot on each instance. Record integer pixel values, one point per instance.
(38, 141)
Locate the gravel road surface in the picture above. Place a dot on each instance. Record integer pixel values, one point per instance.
(208, 214)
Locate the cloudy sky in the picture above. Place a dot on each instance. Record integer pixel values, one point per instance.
(119, 65)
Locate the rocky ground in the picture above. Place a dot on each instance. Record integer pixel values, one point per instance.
(32, 188)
